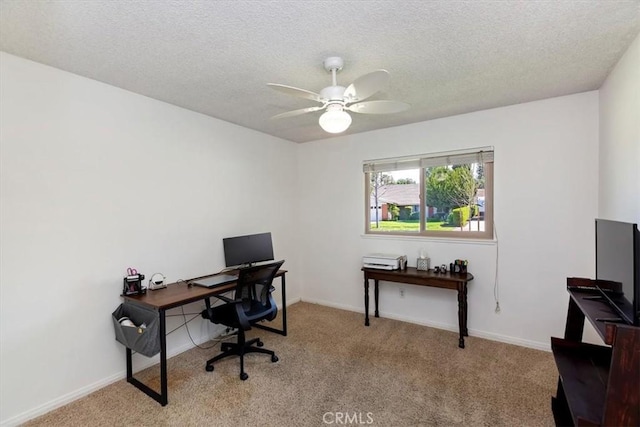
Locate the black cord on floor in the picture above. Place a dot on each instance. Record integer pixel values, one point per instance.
(216, 341)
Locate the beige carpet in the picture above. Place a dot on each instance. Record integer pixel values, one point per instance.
(335, 371)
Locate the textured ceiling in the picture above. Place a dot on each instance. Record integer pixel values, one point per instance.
(216, 57)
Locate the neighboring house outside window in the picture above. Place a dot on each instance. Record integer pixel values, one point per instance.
(457, 189)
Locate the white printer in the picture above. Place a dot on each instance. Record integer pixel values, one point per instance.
(384, 261)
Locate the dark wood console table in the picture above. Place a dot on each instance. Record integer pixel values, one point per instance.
(597, 385)
(413, 276)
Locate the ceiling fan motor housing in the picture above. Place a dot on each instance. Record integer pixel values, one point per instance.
(332, 93)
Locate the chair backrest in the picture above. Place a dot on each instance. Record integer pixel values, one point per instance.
(254, 285)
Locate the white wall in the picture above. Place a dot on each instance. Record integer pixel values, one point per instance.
(546, 184)
(619, 189)
(95, 179)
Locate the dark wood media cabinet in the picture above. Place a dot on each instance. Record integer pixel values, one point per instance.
(597, 385)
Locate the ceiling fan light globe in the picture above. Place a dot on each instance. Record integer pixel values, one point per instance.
(335, 121)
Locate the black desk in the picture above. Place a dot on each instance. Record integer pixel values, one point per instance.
(412, 276)
(176, 295)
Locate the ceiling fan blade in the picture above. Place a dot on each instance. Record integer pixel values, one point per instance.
(296, 112)
(290, 90)
(365, 86)
(378, 107)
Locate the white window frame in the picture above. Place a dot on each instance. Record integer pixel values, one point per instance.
(483, 155)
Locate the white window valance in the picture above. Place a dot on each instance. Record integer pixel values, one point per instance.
(478, 155)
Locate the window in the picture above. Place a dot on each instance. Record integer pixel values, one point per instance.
(439, 195)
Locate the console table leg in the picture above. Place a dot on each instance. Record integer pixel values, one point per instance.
(375, 295)
(461, 324)
(466, 331)
(366, 301)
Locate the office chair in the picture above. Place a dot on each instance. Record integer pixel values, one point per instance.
(252, 303)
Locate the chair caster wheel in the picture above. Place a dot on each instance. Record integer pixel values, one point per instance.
(274, 358)
(209, 368)
(244, 376)
(260, 344)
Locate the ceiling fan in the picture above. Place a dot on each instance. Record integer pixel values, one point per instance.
(337, 100)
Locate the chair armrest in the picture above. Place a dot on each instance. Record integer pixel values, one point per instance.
(242, 317)
(208, 313)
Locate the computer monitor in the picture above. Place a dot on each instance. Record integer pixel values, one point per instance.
(618, 260)
(247, 250)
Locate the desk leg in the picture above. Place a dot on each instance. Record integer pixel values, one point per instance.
(376, 292)
(129, 365)
(284, 307)
(461, 324)
(164, 393)
(366, 300)
(162, 397)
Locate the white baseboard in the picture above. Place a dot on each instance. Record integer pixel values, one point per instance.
(448, 327)
(60, 401)
(293, 301)
(84, 391)
(146, 363)
(140, 364)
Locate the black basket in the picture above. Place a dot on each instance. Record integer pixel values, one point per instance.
(144, 340)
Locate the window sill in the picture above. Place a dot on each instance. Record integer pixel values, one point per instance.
(453, 240)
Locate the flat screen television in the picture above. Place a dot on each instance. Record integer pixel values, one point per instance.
(247, 250)
(617, 253)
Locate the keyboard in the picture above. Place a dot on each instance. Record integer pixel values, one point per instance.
(213, 281)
